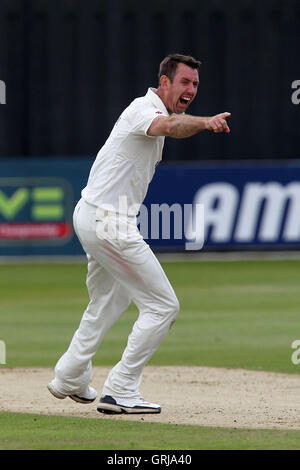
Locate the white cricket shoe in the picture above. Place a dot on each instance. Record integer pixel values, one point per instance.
(86, 396)
(112, 405)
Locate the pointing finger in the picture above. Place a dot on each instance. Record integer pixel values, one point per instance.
(225, 115)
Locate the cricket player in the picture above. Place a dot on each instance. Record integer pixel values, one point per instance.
(121, 266)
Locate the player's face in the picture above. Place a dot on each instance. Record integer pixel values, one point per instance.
(181, 92)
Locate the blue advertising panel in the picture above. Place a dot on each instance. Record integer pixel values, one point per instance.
(247, 206)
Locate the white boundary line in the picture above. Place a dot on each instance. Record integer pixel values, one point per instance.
(230, 256)
(164, 257)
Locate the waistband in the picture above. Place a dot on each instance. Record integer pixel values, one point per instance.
(104, 212)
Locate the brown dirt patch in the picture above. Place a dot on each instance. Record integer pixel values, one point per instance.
(203, 396)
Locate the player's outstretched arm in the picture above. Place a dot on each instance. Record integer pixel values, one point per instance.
(180, 126)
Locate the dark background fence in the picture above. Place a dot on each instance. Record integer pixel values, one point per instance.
(70, 67)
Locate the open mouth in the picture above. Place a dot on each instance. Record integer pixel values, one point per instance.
(184, 100)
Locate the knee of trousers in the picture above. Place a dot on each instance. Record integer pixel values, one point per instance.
(163, 311)
(172, 308)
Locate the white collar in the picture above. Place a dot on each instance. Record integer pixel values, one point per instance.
(155, 99)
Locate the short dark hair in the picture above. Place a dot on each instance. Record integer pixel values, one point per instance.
(169, 65)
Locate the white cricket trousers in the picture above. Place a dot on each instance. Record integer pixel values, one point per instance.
(121, 268)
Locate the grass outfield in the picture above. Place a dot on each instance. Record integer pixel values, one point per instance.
(36, 432)
(233, 314)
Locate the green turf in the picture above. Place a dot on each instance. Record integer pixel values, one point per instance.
(233, 314)
(28, 431)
